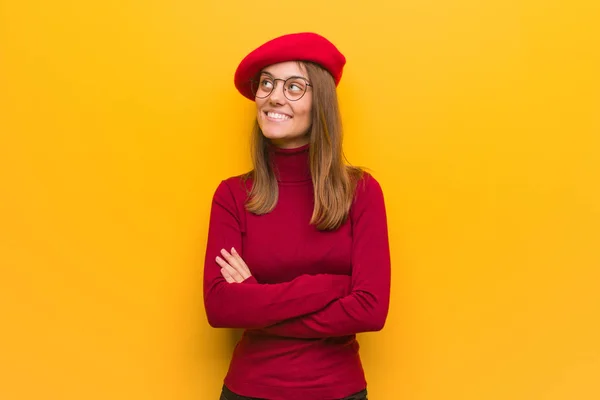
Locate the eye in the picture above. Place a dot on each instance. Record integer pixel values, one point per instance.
(296, 86)
(266, 83)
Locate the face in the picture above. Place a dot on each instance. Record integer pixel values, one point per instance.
(286, 123)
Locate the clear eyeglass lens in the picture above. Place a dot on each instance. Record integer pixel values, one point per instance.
(294, 87)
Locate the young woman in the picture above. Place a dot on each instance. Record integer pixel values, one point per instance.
(297, 251)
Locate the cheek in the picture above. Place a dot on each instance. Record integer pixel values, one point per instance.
(308, 118)
(259, 103)
(305, 113)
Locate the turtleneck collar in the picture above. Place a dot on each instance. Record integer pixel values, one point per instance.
(291, 165)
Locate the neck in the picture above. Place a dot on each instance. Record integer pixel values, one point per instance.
(291, 165)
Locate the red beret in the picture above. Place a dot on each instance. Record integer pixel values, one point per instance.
(305, 46)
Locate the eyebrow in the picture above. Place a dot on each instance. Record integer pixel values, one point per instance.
(293, 76)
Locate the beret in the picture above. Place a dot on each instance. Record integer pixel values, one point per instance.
(305, 46)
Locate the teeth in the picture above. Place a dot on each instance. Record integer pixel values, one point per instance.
(277, 116)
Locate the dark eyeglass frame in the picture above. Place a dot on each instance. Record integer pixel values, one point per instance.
(254, 83)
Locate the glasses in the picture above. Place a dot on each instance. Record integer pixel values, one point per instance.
(293, 87)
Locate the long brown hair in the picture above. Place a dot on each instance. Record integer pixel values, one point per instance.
(333, 180)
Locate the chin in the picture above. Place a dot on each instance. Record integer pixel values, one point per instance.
(283, 135)
(279, 133)
(273, 136)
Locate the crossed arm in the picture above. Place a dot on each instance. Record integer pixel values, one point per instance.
(310, 306)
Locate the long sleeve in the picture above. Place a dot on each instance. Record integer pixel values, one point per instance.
(366, 307)
(251, 304)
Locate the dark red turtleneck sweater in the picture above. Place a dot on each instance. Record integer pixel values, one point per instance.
(310, 293)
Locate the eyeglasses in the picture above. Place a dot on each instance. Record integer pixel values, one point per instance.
(293, 87)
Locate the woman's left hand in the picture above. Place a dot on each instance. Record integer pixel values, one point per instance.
(233, 268)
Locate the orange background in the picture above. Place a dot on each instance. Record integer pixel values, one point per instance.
(480, 119)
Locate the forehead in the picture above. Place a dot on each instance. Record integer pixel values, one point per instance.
(286, 69)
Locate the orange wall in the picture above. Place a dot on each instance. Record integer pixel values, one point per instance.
(480, 119)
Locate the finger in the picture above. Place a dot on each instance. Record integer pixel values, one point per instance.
(226, 275)
(235, 264)
(232, 271)
(244, 267)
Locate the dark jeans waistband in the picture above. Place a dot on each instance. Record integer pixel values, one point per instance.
(227, 394)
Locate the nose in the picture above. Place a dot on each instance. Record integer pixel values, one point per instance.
(277, 96)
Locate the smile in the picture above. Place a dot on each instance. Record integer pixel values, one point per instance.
(277, 117)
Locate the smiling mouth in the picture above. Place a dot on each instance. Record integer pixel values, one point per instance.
(277, 116)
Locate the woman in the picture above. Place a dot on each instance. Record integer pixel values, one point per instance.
(297, 251)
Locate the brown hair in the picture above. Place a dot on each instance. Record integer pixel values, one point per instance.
(334, 181)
